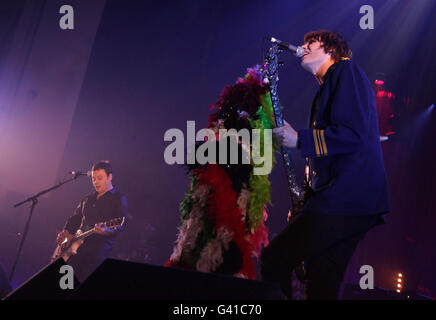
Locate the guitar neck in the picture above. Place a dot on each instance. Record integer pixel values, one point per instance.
(85, 234)
(114, 223)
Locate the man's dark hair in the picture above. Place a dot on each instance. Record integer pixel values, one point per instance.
(105, 165)
(332, 42)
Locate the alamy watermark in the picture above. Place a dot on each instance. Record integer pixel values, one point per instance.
(367, 280)
(367, 20)
(251, 143)
(66, 22)
(67, 280)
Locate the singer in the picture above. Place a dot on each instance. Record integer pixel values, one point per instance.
(349, 194)
(104, 204)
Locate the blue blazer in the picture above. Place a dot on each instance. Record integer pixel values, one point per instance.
(343, 146)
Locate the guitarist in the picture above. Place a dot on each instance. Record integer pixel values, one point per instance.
(347, 176)
(104, 204)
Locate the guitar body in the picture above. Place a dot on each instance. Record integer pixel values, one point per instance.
(66, 250)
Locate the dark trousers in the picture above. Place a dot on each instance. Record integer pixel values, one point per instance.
(325, 243)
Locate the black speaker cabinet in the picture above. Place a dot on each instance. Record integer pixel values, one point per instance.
(116, 279)
(354, 292)
(44, 285)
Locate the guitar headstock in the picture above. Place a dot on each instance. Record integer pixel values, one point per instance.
(272, 62)
(114, 223)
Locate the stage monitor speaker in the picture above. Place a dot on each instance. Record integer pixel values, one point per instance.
(116, 279)
(354, 292)
(44, 285)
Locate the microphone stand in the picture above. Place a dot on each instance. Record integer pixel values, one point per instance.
(34, 200)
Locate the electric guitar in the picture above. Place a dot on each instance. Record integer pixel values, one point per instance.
(69, 247)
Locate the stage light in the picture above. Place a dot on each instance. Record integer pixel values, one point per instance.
(399, 282)
(431, 107)
(379, 82)
(381, 94)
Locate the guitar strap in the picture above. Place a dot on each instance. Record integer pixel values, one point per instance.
(83, 226)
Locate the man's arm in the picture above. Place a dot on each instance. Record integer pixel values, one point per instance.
(350, 112)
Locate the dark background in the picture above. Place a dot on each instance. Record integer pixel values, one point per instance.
(133, 69)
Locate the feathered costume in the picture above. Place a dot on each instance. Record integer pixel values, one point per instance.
(223, 214)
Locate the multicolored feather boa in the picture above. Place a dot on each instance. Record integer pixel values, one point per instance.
(223, 215)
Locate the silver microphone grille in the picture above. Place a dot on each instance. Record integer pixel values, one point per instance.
(299, 52)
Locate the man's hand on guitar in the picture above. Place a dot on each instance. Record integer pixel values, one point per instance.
(64, 234)
(100, 228)
(286, 135)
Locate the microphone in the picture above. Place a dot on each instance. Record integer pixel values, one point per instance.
(298, 51)
(80, 173)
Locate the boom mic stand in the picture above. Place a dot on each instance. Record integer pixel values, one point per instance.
(34, 200)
